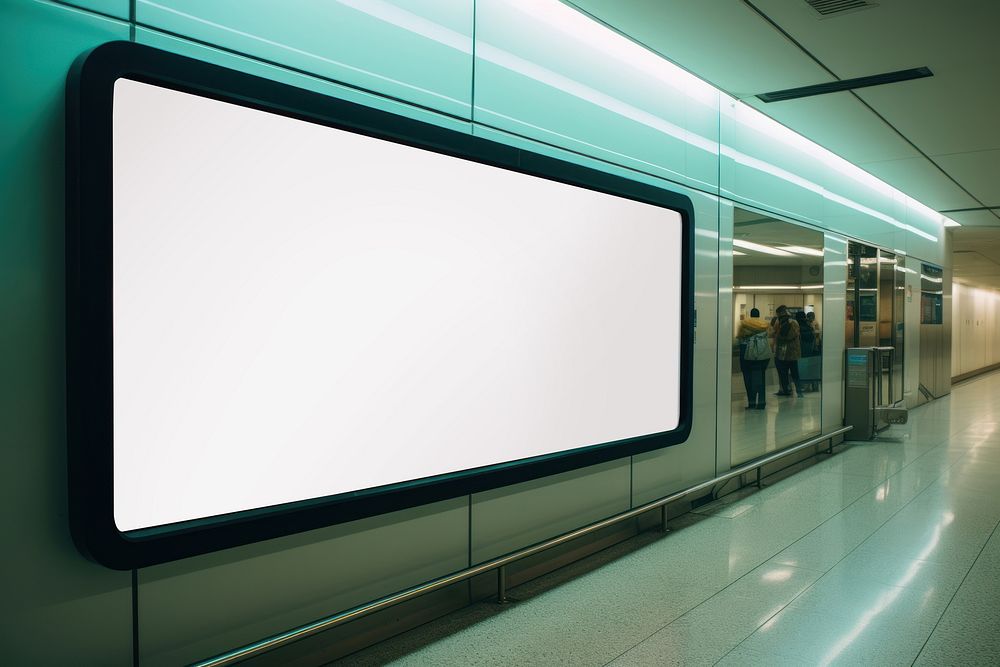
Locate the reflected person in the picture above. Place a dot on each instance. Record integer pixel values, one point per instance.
(787, 350)
(809, 363)
(755, 354)
(811, 317)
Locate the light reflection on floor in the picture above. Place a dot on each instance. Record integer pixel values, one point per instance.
(887, 552)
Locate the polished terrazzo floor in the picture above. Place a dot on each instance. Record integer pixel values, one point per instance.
(886, 553)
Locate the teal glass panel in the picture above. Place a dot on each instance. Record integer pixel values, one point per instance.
(927, 220)
(60, 608)
(766, 165)
(187, 611)
(228, 59)
(419, 51)
(116, 8)
(546, 71)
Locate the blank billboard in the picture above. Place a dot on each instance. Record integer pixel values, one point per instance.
(301, 312)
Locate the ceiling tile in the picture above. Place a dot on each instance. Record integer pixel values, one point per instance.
(976, 238)
(923, 181)
(978, 265)
(946, 115)
(976, 256)
(953, 111)
(979, 172)
(975, 218)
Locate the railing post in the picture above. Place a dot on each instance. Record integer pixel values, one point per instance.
(502, 585)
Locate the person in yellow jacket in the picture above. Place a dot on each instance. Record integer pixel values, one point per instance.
(753, 339)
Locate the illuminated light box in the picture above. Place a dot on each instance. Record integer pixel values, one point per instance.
(287, 311)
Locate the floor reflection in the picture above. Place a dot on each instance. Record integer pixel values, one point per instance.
(785, 421)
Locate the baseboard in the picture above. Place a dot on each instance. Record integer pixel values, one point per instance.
(972, 374)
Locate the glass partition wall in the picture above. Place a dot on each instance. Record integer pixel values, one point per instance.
(777, 334)
(876, 285)
(933, 375)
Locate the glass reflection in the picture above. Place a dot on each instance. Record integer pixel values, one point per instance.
(875, 309)
(777, 334)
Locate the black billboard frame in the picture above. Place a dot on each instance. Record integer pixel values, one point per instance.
(89, 307)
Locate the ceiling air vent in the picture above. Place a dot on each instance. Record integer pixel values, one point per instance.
(833, 7)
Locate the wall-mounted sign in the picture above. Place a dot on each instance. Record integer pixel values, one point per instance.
(287, 311)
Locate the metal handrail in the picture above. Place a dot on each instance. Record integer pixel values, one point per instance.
(499, 564)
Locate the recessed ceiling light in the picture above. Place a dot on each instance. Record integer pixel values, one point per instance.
(800, 250)
(779, 288)
(748, 245)
(772, 288)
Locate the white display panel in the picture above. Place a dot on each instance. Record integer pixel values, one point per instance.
(301, 311)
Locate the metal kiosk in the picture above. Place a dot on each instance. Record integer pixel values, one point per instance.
(866, 407)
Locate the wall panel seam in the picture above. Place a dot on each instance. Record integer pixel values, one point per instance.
(298, 70)
(84, 10)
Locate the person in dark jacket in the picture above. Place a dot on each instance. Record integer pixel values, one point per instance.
(807, 337)
(787, 350)
(808, 367)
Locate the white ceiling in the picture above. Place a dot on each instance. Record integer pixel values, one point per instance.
(976, 256)
(936, 139)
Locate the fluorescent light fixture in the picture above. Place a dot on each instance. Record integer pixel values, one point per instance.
(800, 250)
(766, 249)
(779, 288)
(948, 222)
(930, 279)
(846, 84)
(773, 288)
(737, 252)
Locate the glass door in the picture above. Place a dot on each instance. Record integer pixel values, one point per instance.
(875, 307)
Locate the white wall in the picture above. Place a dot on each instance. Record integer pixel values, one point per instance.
(975, 342)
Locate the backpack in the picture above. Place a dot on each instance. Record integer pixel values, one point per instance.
(758, 349)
